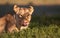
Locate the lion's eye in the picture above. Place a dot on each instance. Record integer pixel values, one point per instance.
(20, 15)
(28, 15)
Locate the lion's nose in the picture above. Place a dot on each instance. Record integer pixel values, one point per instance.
(25, 23)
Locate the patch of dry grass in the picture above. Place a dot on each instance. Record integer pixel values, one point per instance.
(35, 2)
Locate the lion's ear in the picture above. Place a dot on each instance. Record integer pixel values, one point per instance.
(31, 10)
(15, 6)
(16, 9)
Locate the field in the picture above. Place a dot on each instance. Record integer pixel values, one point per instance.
(37, 29)
(40, 26)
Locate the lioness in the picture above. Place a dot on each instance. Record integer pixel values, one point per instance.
(25, 15)
(20, 20)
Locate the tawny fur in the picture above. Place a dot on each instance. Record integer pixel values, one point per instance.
(8, 22)
(25, 13)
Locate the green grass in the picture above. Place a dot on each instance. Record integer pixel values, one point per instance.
(36, 30)
(51, 31)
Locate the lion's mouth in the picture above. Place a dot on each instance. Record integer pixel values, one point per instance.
(25, 24)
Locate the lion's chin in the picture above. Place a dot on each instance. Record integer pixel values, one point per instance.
(23, 27)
